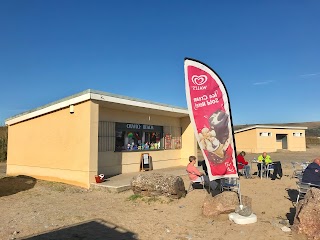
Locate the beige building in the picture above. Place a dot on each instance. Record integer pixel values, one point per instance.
(93, 132)
(269, 138)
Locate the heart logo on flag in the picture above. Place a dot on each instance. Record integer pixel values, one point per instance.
(199, 80)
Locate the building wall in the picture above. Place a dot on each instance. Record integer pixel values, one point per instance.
(251, 141)
(297, 143)
(111, 163)
(57, 146)
(93, 157)
(267, 143)
(270, 144)
(189, 141)
(246, 141)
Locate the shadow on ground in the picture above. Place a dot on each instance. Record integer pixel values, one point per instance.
(290, 215)
(92, 230)
(13, 185)
(292, 196)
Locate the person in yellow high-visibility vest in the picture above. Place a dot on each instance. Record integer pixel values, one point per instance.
(264, 159)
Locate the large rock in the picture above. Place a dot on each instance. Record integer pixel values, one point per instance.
(307, 218)
(157, 184)
(224, 202)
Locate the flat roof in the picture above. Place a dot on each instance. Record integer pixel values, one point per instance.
(270, 127)
(98, 96)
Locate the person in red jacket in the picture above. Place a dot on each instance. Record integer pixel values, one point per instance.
(243, 164)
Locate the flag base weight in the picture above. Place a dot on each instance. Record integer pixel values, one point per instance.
(238, 219)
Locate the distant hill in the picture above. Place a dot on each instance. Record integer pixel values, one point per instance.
(312, 131)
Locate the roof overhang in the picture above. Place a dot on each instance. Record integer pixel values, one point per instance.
(104, 99)
(269, 127)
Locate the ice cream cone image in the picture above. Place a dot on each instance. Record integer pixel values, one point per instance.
(219, 122)
(212, 145)
(218, 148)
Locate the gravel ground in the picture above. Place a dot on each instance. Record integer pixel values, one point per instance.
(34, 209)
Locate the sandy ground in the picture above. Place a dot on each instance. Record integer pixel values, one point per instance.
(32, 209)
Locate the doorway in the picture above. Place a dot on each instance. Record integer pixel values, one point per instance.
(282, 141)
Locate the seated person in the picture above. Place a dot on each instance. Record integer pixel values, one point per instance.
(264, 159)
(196, 175)
(312, 173)
(243, 164)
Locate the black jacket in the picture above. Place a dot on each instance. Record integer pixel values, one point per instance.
(312, 174)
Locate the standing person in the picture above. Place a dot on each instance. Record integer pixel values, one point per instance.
(243, 164)
(196, 175)
(264, 159)
(312, 173)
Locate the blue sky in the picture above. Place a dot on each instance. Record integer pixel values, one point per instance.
(266, 52)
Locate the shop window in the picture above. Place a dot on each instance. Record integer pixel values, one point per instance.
(106, 136)
(132, 136)
(172, 137)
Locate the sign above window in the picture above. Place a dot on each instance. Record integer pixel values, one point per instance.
(137, 126)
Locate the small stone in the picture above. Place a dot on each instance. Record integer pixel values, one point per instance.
(286, 229)
(284, 222)
(168, 230)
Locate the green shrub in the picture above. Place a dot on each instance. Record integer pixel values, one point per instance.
(134, 197)
(3, 149)
(3, 143)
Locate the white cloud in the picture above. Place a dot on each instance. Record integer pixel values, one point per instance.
(309, 75)
(262, 83)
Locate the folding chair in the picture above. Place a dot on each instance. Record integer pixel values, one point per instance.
(302, 189)
(230, 184)
(201, 181)
(270, 167)
(263, 169)
(241, 171)
(190, 188)
(296, 172)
